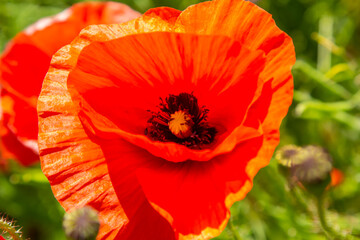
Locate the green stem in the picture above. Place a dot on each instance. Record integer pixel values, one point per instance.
(329, 232)
(8, 228)
(321, 212)
(233, 230)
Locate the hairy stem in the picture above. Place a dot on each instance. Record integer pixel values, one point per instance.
(329, 232)
(7, 227)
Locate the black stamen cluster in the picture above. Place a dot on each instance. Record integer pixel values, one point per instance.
(158, 124)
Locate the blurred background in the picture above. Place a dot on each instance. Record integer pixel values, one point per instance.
(325, 112)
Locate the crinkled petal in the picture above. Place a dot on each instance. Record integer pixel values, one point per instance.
(73, 163)
(165, 13)
(192, 195)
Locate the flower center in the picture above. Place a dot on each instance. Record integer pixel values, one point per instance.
(180, 124)
(181, 120)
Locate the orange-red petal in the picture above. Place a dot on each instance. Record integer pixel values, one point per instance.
(123, 160)
(11, 147)
(192, 195)
(254, 28)
(238, 19)
(74, 164)
(167, 14)
(17, 135)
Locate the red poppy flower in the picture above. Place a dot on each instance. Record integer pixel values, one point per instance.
(25, 62)
(166, 168)
(337, 177)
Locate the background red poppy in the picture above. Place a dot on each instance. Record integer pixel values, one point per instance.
(25, 62)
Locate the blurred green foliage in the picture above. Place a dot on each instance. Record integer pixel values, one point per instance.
(325, 111)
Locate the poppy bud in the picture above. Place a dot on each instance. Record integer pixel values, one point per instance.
(314, 164)
(314, 168)
(286, 158)
(81, 224)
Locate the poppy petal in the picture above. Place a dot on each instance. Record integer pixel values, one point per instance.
(167, 14)
(20, 74)
(11, 147)
(273, 102)
(74, 183)
(185, 192)
(74, 164)
(248, 24)
(168, 57)
(254, 28)
(25, 124)
(123, 160)
(17, 135)
(270, 108)
(238, 19)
